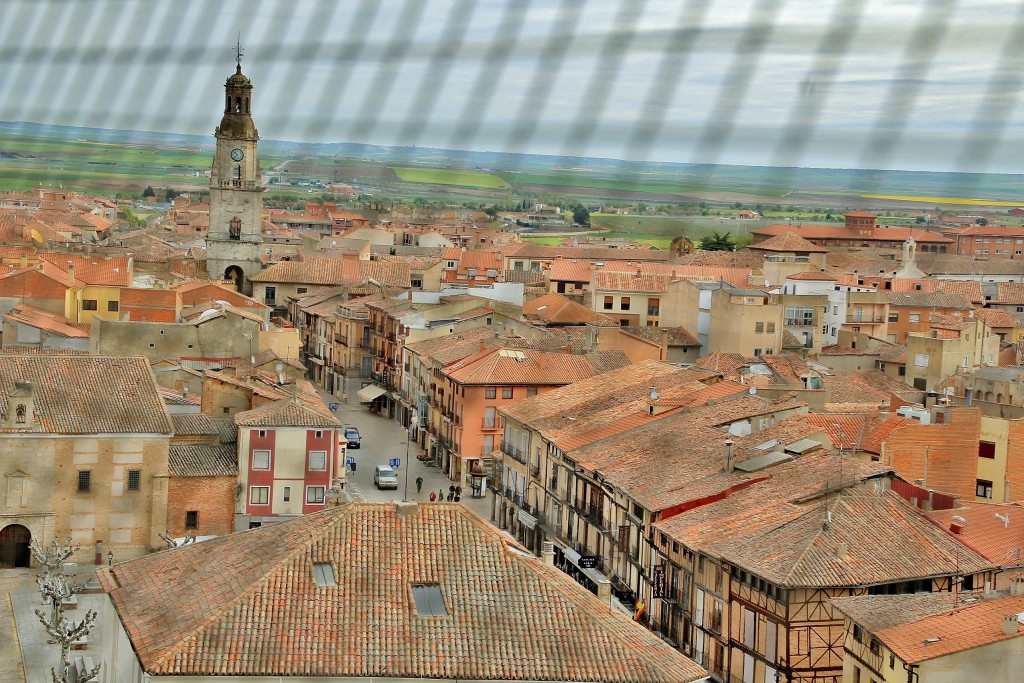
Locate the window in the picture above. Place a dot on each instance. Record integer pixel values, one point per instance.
(770, 329)
(428, 600)
(318, 434)
(323, 574)
(84, 481)
(624, 305)
(134, 480)
(757, 352)
(984, 488)
(915, 318)
(894, 317)
(315, 494)
(301, 290)
(506, 392)
(259, 495)
(112, 306)
(986, 449)
(921, 360)
(490, 392)
(286, 494)
(192, 519)
(653, 306)
(317, 461)
(608, 303)
(531, 391)
(758, 327)
(88, 304)
(262, 433)
(261, 460)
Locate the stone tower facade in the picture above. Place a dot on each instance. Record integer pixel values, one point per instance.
(234, 240)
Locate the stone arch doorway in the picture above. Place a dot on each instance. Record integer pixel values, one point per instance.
(234, 273)
(14, 542)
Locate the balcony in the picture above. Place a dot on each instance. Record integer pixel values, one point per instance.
(506, 448)
(553, 483)
(536, 471)
(864, 319)
(492, 424)
(596, 517)
(341, 339)
(519, 455)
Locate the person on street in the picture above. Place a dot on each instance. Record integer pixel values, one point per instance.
(419, 484)
(433, 496)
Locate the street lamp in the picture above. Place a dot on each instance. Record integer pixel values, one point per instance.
(414, 421)
(110, 558)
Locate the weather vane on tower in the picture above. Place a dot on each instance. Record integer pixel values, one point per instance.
(239, 53)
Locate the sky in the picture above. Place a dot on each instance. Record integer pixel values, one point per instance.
(903, 84)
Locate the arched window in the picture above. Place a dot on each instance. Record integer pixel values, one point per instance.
(235, 228)
(20, 413)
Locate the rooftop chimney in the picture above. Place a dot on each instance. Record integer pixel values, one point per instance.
(843, 553)
(1010, 624)
(728, 455)
(71, 272)
(547, 553)
(406, 508)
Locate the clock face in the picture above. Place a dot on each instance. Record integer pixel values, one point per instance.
(237, 154)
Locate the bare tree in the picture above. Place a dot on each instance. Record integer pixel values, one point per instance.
(65, 633)
(54, 559)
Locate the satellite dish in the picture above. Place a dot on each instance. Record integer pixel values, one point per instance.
(279, 367)
(753, 390)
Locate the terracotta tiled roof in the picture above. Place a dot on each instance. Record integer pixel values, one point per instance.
(321, 270)
(969, 289)
(604, 281)
(202, 461)
(1010, 292)
(554, 308)
(68, 399)
(450, 348)
(866, 539)
(95, 270)
(877, 612)
(1007, 357)
(787, 242)
(193, 424)
(999, 541)
(720, 361)
(812, 275)
(930, 300)
(995, 317)
(841, 232)
(262, 613)
(966, 627)
(507, 366)
(677, 336)
(48, 321)
(287, 413)
(533, 250)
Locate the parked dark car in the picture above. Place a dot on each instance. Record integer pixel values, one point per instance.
(352, 436)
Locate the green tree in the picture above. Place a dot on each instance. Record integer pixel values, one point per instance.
(149, 192)
(919, 220)
(129, 217)
(171, 194)
(984, 221)
(581, 215)
(718, 242)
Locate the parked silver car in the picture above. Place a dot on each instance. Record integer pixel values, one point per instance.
(385, 478)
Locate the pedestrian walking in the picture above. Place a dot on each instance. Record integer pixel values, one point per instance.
(419, 484)
(433, 496)
(440, 494)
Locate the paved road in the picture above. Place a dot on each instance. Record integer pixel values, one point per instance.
(383, 439)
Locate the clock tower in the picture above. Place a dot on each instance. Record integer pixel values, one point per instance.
(234, 240)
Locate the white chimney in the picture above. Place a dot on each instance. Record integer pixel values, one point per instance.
(547, 553)
(1010, 624)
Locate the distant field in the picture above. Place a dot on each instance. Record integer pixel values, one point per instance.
(941, 200)
(445, 176)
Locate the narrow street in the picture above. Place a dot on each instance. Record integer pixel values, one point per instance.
(382, 440)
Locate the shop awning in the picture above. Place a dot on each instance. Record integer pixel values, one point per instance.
(368, 393)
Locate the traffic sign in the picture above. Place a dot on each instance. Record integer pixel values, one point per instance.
(395, 462)
(350, 460)
(333, 407)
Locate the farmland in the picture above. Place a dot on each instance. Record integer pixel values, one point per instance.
(444, 176)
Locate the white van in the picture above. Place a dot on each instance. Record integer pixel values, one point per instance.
(384, 477)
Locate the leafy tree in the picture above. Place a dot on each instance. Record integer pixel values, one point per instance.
(149, 192)
(129, 217)
(983, 221)
(718, 242)
(491, 211)
(171, 194)
(919, 220)
(581, 215)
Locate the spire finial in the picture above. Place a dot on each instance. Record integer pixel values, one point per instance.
(238, 54)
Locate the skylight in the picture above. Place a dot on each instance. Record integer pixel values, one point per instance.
(429, 601)
(323, 574)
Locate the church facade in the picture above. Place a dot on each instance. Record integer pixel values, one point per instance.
(234, 241)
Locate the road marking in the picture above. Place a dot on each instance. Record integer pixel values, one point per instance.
(355, 493)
